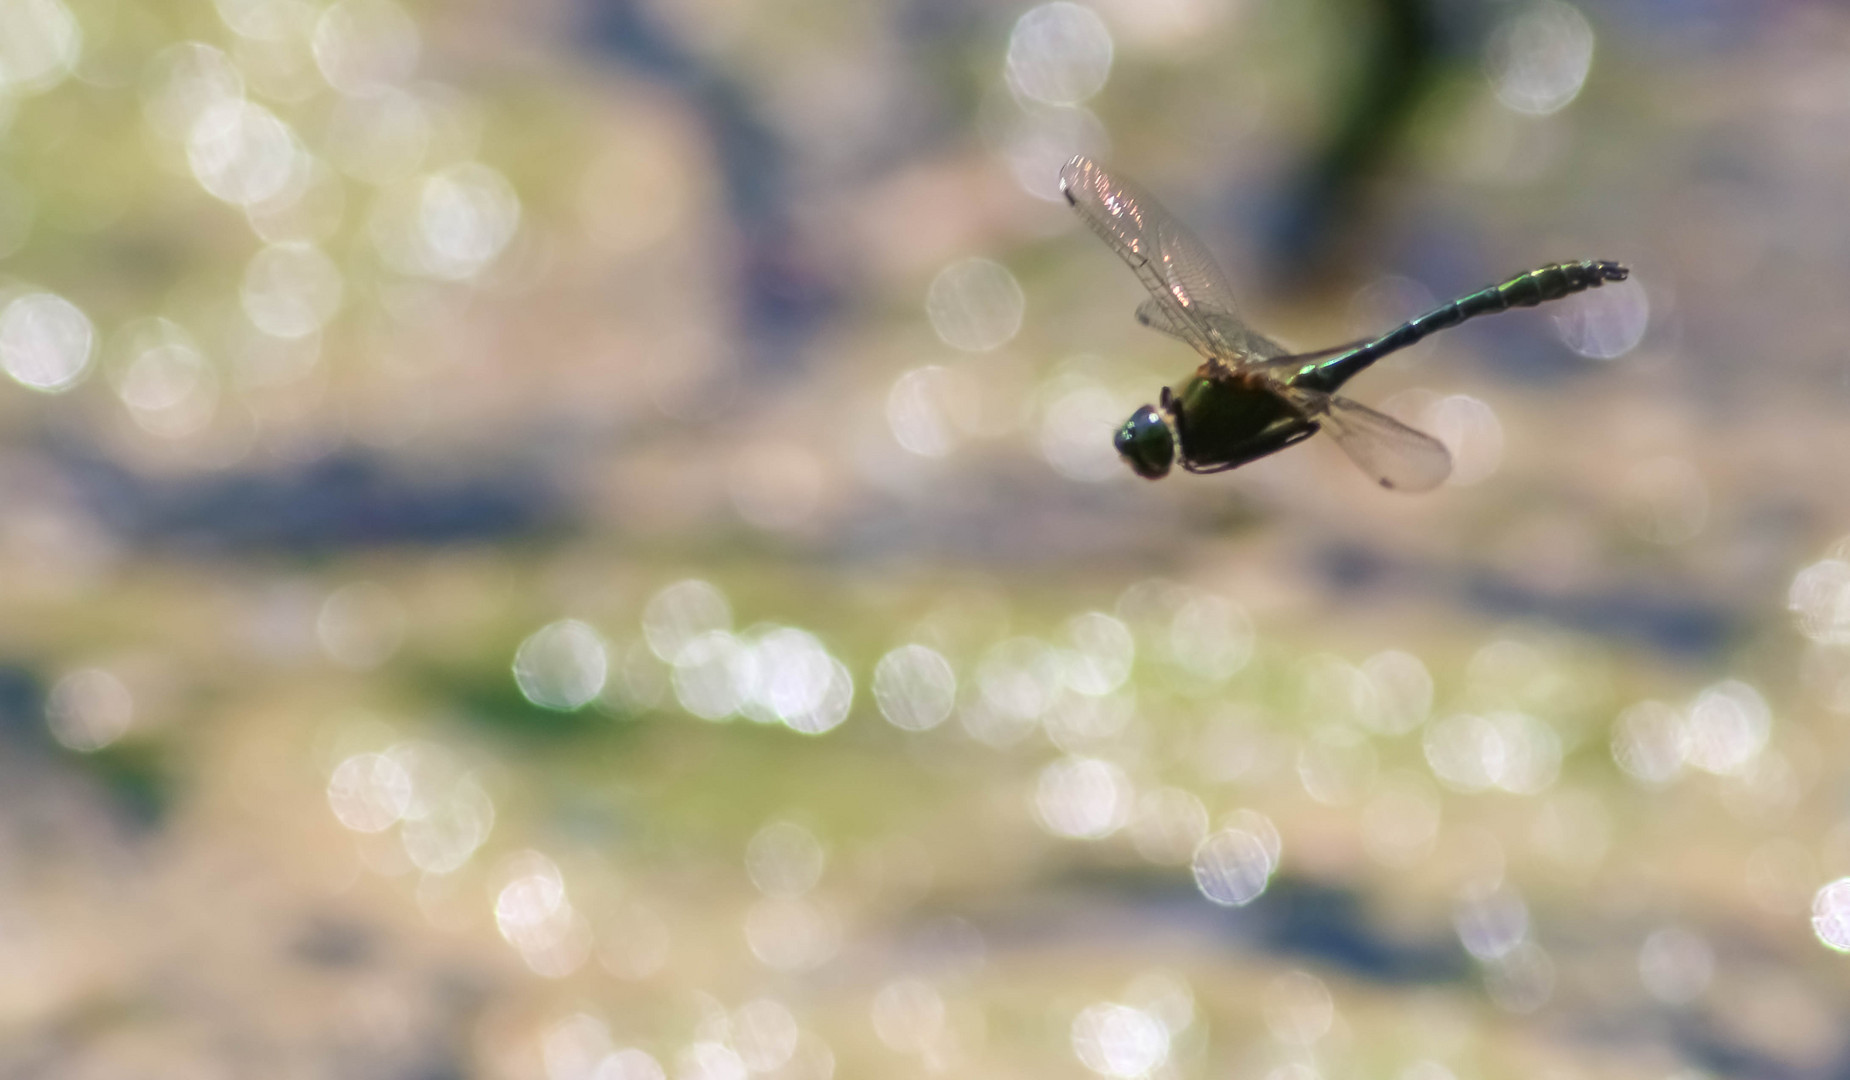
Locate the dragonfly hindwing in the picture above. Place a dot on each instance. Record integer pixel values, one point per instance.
(1151, 314)
(1230, 339)
(1391, 453)
(1238, 342)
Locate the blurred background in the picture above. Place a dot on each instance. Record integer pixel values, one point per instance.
(579, 540)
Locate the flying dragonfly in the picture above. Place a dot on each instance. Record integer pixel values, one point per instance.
(1252, 397)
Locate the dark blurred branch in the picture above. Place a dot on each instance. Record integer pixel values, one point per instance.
(782, 295)
(1326, 212)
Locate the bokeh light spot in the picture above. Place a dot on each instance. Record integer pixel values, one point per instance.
(534, 914)
(1539, 58)
(1726, 728)
(1830, 914)
(924, 408)
(242, 153)
(1100, 659)
(1336, 764)
(449, 226)
(975, 305)
(88, 710)
(1059, 53)
(1020, 678)
(40, 41)
(1607, 322)
(1471, 431)
(466, 216)
(360, 45)
(784, 859)
(629, 1063)
(1648, 744)
(184, 81)
(1168, 825)
(681, 612)
(369, 792)
(1403, 691)
(786, 676)
(1211, 637)
(1083, 798)
(290, 290)
(1491, 923)
(1036, 140)
(791, 933)
(265, 20)
(1820, 601)
(1232, 867)
(908, 1015)
(562, 665)
(709, 1060)
(1119, 1041)
(448, 826)
(712, 675)
(573, 1047)
(166, 383)
(764, 1034)
(915, 687)
(379, 137)
(1075, 433)
(45, 342)
(1079, 723)
(1298, 1008)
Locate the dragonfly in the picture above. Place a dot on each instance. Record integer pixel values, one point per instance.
(1252, 397)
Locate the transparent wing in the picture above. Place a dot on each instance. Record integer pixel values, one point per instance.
(1225, 331)
(1152, 314)
(1186, 287)
(1240, 339)
(1393, 454)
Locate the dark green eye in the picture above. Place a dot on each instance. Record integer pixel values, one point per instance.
(1147, 444)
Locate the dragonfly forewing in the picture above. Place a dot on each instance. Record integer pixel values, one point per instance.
(1189, 296)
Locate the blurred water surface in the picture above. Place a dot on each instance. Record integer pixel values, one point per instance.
(580, 541)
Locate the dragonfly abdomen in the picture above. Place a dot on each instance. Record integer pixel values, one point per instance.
(1551, 282)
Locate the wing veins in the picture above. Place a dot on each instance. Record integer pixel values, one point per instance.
(1391, 453)
(1182, 321)
(1177, 269)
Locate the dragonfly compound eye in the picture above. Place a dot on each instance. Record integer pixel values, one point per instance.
(1147, 444)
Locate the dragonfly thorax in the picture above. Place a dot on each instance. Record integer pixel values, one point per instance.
(1223, 423)
(1146, 443)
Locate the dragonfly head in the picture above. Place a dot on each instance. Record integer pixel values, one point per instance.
(1147, 444)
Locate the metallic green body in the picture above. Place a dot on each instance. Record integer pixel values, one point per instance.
(1223, 423)
(1226, 419)
(1555, 281)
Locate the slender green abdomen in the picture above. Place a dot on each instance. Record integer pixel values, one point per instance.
(1551, 282)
